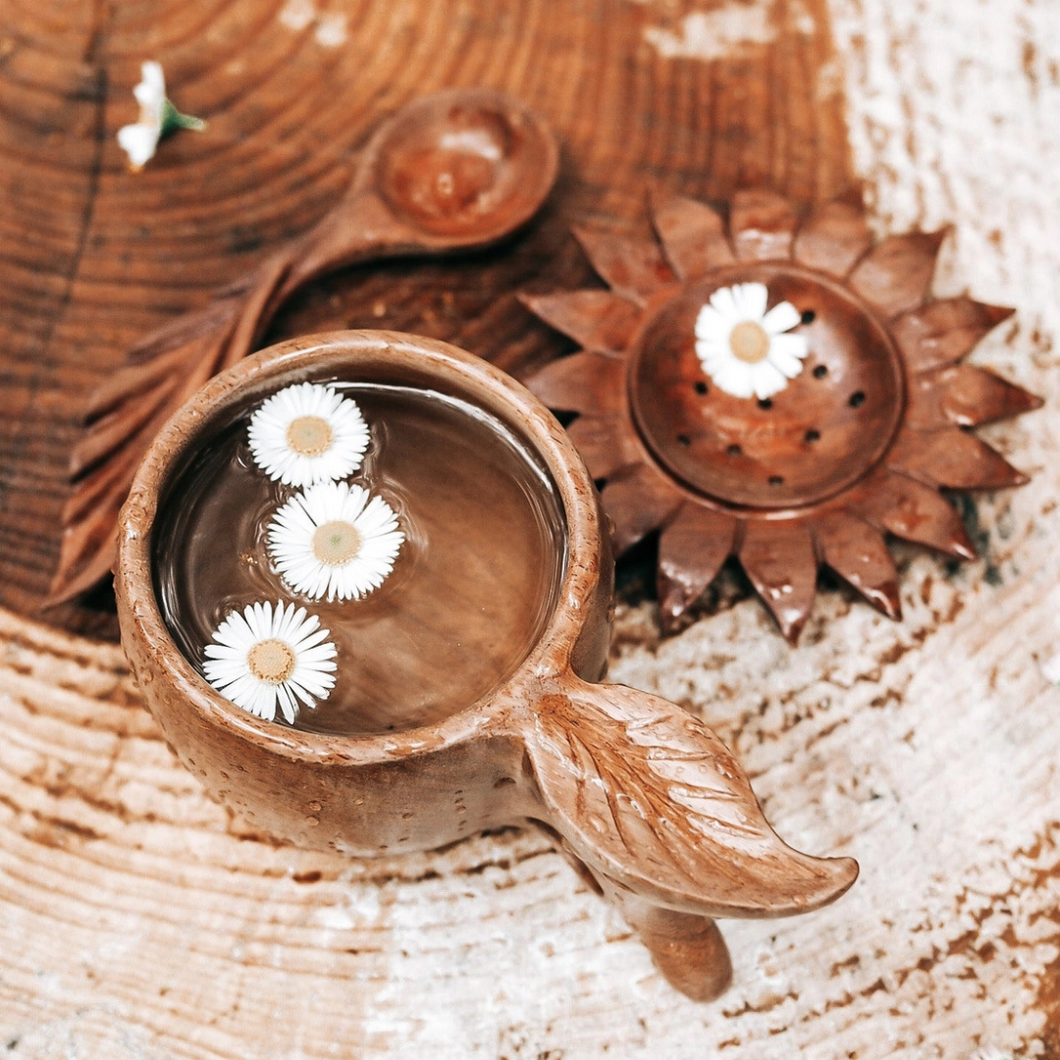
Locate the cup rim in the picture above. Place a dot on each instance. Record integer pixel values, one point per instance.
(293, 361)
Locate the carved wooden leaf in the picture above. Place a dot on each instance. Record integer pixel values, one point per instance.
(895, 276)
(597, 320)
(584, 382)
(632, 268)
(834, 237)
(648, 796)
(692, 235)
(781, 562)
(692, 548)
(762, 224)
(127, 411)
(942, 332)
(638, 501)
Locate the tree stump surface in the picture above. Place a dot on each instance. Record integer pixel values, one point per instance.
(137, 919)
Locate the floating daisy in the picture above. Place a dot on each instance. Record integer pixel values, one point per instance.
(263, 657)
(306, 433)
(335, 539)
(742, 347)
(158, 118)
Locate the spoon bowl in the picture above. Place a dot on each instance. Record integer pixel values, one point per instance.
(466, 167)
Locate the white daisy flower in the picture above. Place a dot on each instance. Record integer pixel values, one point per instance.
(306, 433)
(158, 118)
(743, 348)
(261, 658)
(335, 539)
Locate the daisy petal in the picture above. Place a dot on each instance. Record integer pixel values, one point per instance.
(724, 302)
(782, 317)
(139, 143)
(751, 300)
(712, 325)
(735, 381)
(796, 346)
(767, 380)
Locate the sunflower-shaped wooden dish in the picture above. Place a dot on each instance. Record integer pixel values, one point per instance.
(780, 389)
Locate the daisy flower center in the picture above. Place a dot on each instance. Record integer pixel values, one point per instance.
(271, 660)
(309, 435)
(336, 543)
(749, 342)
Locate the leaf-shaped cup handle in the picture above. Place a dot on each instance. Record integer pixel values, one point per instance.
(653, 804)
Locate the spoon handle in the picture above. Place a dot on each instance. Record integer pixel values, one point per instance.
(168, 366)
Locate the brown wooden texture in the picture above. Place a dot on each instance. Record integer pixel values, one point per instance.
(138, 920)
(95, 257)
(452, 171)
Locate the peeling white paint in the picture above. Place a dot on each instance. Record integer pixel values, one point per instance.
(1051, 669)
(335, 918)
(298, 14)
(709, 35)
(801, 19)
(331, 29)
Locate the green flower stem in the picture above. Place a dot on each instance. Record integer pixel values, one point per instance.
(173, 119)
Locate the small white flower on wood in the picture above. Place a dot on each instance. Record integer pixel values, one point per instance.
(158, 118)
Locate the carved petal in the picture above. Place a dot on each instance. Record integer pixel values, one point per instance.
(185, 352)
(915, 512)
(942, 333)
(124, 385)
(833, 238)
(89, 543)
(583, 382)
(90, 536)
(638, 501)
(966, 396)
(856, 551)
(596, 320)
(95, 488)
(895, 276)
(954, 459)
(780, 560)
(692, 548)
(632, 268)
(607, 444)
(762, 225)
(692, 235)
(646, 795)
(117, 427)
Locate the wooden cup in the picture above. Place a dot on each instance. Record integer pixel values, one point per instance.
(641, 795)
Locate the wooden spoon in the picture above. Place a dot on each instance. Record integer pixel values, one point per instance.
(449, 172)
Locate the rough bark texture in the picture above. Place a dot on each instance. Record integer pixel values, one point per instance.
(138, 920)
